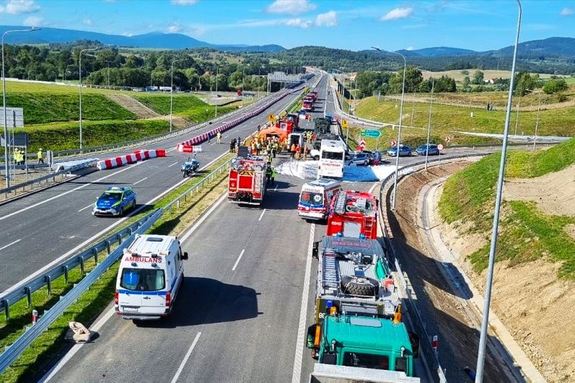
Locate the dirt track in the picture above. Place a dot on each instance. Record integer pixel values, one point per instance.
(459, 338)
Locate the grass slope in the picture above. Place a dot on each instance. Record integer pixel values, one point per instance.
(525, 233)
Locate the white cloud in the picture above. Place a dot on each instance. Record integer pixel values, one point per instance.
(567, 12)
(184, 2)
(409, 48)
(328, 19)
(33, 21)
(300, 23)
(292, 7)
(397, 13)
(87, 21)
(16, 7)
(174, 28)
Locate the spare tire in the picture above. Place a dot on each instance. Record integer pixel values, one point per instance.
(359, 286)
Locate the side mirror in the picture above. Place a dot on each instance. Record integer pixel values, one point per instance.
(315, 250)
(185, 255)
(310, 336)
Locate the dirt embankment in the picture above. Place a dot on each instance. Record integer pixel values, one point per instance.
(142, 111)
(440, 306)
(535, 306)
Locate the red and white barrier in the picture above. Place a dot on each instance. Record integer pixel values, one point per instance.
(130, 158)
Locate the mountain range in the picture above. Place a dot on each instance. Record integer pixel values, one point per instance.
(554, 47)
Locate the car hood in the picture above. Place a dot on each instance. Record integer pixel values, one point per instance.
(107, 204)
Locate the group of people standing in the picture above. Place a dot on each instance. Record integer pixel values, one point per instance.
(19, 156)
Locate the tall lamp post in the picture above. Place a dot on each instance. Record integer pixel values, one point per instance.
(6, 155)
(498, 198)
(172, 91)
(217, 74)
(399, 127)
(80, 79)
(429, 123)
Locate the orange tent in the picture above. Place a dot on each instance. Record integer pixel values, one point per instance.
(273, 131)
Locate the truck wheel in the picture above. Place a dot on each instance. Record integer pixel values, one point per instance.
(316, 158)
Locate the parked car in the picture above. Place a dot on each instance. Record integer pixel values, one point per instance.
(432, 150)
(115, 201)
(360, 159)
(404, 151)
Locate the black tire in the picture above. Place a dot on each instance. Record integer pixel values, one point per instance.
(356, 286)
(316, 158)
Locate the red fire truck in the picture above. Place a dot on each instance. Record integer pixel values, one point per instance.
(247, 180)
(308, 104)
(353, 214)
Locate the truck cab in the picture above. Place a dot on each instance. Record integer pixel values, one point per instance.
(353, 214)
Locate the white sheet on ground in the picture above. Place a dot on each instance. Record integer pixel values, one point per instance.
(308, 170)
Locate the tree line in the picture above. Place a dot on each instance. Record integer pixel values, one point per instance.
(202, 69)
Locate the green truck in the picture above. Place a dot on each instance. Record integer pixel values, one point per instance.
(358, 334)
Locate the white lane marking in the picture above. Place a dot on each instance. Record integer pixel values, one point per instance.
(238, 260)
(262, 215)
(186, 357)
(62, 362)
(10, 244)
(85, 207)
(172, 164)
(142, 180)
(65, 193)
(298, 358)
(373, 187)
(276, 188)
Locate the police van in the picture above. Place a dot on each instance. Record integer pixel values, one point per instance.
(150, 275)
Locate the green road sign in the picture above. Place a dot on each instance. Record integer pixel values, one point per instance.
(370, 133)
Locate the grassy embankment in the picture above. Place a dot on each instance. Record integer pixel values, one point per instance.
(51, 114)
(525, 232)
(455, 115)
(30, 365)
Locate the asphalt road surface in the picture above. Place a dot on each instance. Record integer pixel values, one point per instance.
(57, 222)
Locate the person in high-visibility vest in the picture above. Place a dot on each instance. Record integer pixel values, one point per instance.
(40, 156)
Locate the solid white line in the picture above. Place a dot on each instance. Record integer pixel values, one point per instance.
(298, 358)
(172, 164)
(85, 207)
(10, 244)
(238, 260)
(261, 215)
(68, 192)
(142, 180)
(373, 187)
(62, 362)
(276, 188)
(188, 354)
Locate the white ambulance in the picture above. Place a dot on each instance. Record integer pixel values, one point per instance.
(150, 276)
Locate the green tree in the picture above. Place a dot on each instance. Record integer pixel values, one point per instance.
(478, 77)
(555, 85)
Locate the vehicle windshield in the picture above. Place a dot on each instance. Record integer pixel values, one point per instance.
(142, 279)
(311, 199)
(332, 155)
(356, 359)
(111, 196)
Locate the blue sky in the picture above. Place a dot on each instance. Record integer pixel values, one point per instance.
(347, 24)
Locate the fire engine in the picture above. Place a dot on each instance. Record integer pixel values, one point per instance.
(247, 180)
(353, 214)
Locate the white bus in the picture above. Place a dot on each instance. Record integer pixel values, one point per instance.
(331, 159)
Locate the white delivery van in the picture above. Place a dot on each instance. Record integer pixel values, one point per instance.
(150, 275)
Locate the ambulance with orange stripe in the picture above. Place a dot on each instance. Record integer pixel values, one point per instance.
(150, 276)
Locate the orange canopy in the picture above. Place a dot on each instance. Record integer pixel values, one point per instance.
(273, 131)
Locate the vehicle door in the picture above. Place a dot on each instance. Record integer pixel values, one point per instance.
(129, 297)
(153, 287)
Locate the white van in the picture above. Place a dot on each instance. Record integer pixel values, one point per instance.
(150, 275)
(315, 198)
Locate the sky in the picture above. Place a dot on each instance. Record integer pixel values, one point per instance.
(346, 24)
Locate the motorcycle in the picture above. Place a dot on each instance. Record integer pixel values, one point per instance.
(190, 167)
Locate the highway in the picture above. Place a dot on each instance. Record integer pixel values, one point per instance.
(239, 317)
(57, 222)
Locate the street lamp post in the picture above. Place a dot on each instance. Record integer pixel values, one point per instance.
(429, 123)
(171, 93)
(80, 79)
(6, 155)
(498, 199)
(399, 127)
(217, 74)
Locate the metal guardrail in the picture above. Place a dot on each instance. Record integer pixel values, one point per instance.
(32, 332)
(52, 176)
(124, 237)
(417, 320)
